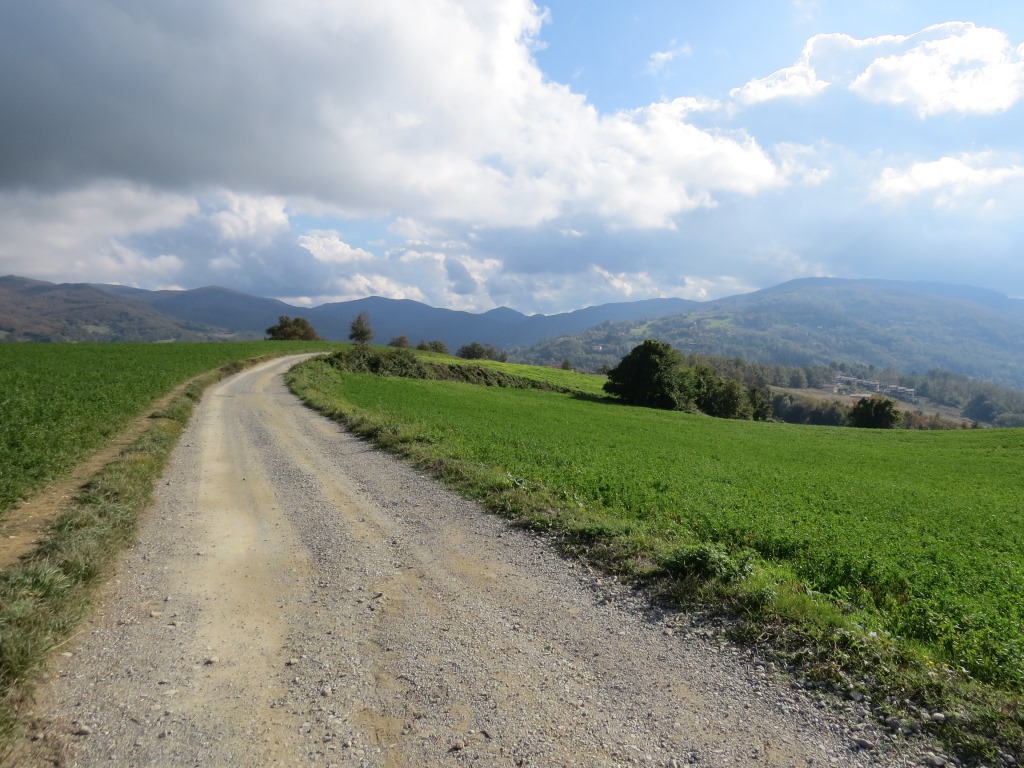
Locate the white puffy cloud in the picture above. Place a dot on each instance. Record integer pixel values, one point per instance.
(949, 179)
(956, 67)
(247, 217)
(430, 110)
(795, 82)
(654, 165)
(327, 246)
(327, 149)
(80, 233)
(951, 67)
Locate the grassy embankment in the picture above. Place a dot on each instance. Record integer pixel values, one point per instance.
(59, 403)
(889, 562)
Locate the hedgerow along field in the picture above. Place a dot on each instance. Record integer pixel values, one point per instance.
(59, 402)
(910, 539)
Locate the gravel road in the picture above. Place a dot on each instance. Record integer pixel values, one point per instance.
(299, 598)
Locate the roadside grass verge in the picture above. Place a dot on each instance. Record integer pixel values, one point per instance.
(46, 594)
(882, 563)
(406, 363)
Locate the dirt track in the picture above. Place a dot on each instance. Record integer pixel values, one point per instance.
(297, 598)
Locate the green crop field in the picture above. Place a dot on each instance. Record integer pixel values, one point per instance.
(58, 402)
(917, 534)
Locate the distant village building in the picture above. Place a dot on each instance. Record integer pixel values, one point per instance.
(908, 394)
(853, 381)
(901, 393)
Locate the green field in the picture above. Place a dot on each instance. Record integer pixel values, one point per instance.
(59, 402)
(918, 534)
(903, 546)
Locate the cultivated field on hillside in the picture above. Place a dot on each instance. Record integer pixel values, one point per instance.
(58, 402)
(913, 534)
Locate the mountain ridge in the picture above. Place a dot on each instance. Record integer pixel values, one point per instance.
(905, 326)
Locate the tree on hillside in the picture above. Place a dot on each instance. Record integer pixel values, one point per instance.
(402, 342)
(360, 331)
(760, 398)
(875, 413)
(433, 346)
(650, 375)
(981, 408)
(292, 329)
(477, 351)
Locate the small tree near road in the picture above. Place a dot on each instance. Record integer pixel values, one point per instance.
(360, 331)
(292, 329)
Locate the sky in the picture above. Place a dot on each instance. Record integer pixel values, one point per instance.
(472, 154)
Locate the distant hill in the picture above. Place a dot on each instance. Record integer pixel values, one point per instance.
(246, 315)
(41, 311)
(34, 310)
(906, 326)
(502, 327)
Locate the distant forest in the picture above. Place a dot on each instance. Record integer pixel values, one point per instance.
(977, 401)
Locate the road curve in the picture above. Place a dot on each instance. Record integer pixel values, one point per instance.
(298, 598)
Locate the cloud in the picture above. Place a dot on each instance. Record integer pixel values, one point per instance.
(796, 82)
(333, 102)
(951, 67)
(328, 150)
(954, 67)
(246, 217)
(83, 231)
(803, 164)
(328, 247)
(658, 60)
(950, 180)
(462, 282)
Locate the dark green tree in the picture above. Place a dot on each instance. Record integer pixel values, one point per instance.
(360, 331)
(981, 408)
(292, 329)
(402, 342)
(760, 399)
(875, 413)
(650, 375)
(433, 346)
(477, 351)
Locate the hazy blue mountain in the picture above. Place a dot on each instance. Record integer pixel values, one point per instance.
(247, 315)
(502, 327)
(35, 310)
(907, 326)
